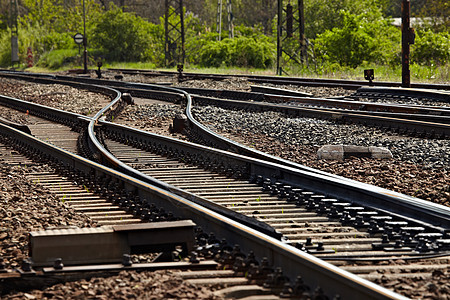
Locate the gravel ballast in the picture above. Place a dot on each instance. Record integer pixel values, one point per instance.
(25, 207)
(420, 167)
(55, 95)
(126, 285)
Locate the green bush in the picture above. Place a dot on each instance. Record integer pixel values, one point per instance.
(431, 48)
(29, 36)
(323, 15)
(59, 58)
(240, 52)
(125, 37)
(251, 53)
(5, 48)
(360, 39)
(216, 53)
(349, 45)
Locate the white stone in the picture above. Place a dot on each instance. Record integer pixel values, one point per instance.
(333, 152)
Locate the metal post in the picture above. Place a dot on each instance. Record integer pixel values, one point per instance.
(174, 33)
(301, 16)
(183, 53)
(85, 71)
(279, 24)
(219, 20)
(406, 76)
(230, 20)
(14, 32)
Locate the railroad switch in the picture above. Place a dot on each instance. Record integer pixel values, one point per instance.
(180, 72)
(180, 122)
(369, 75)
(99, 71)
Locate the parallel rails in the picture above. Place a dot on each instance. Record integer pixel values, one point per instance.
(316, 272)
(296, 221)
(263, 204)
(350, 84)
(333, 186)
(388, 121)
(204, 134)
(103, 125)
(435, 114)
(178, 95)
(57, 128)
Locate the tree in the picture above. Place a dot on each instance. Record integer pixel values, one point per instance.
(435, 15)
(122, 36)
(359, 39)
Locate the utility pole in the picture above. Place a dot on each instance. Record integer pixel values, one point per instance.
(291, 40)
(85, 71)
(174, 30)
(219, 20)
(14, 12)
(279, 33)
(229, 19)
(408, 37)
(301, 16)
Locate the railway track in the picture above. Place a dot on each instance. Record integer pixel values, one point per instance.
(349, 84)
(201, 134)
(326, 227)
(93, 174)
(72, 191)
(312, 209)
(246, 198)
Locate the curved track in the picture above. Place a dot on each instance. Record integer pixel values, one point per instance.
(296, 202)
(291, 259)
(349, 84)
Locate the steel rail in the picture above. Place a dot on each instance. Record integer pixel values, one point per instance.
(354, 84)
(108, 158)
(336, 183)
(337, 186)
(419, 127)
(433, 215)
(409, 92)
(417, 113)
(176, 96)
(102, 125)
(344, 103)
(435, 123)
(294, 262)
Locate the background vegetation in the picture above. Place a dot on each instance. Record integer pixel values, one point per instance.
(344, 36)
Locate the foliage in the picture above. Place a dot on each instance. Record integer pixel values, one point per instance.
(345, 34)
(435, 15)
(60, 15)
(324, 15)
(431, 48)
(47, 26)
(5, 48)
(123, 36)
(57, 59)
(35, 37)
(359, 39)
(241, 51)
(249, 48)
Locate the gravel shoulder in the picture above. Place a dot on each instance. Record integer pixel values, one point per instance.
(25, 206)
(55, 95)
(419, 168)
